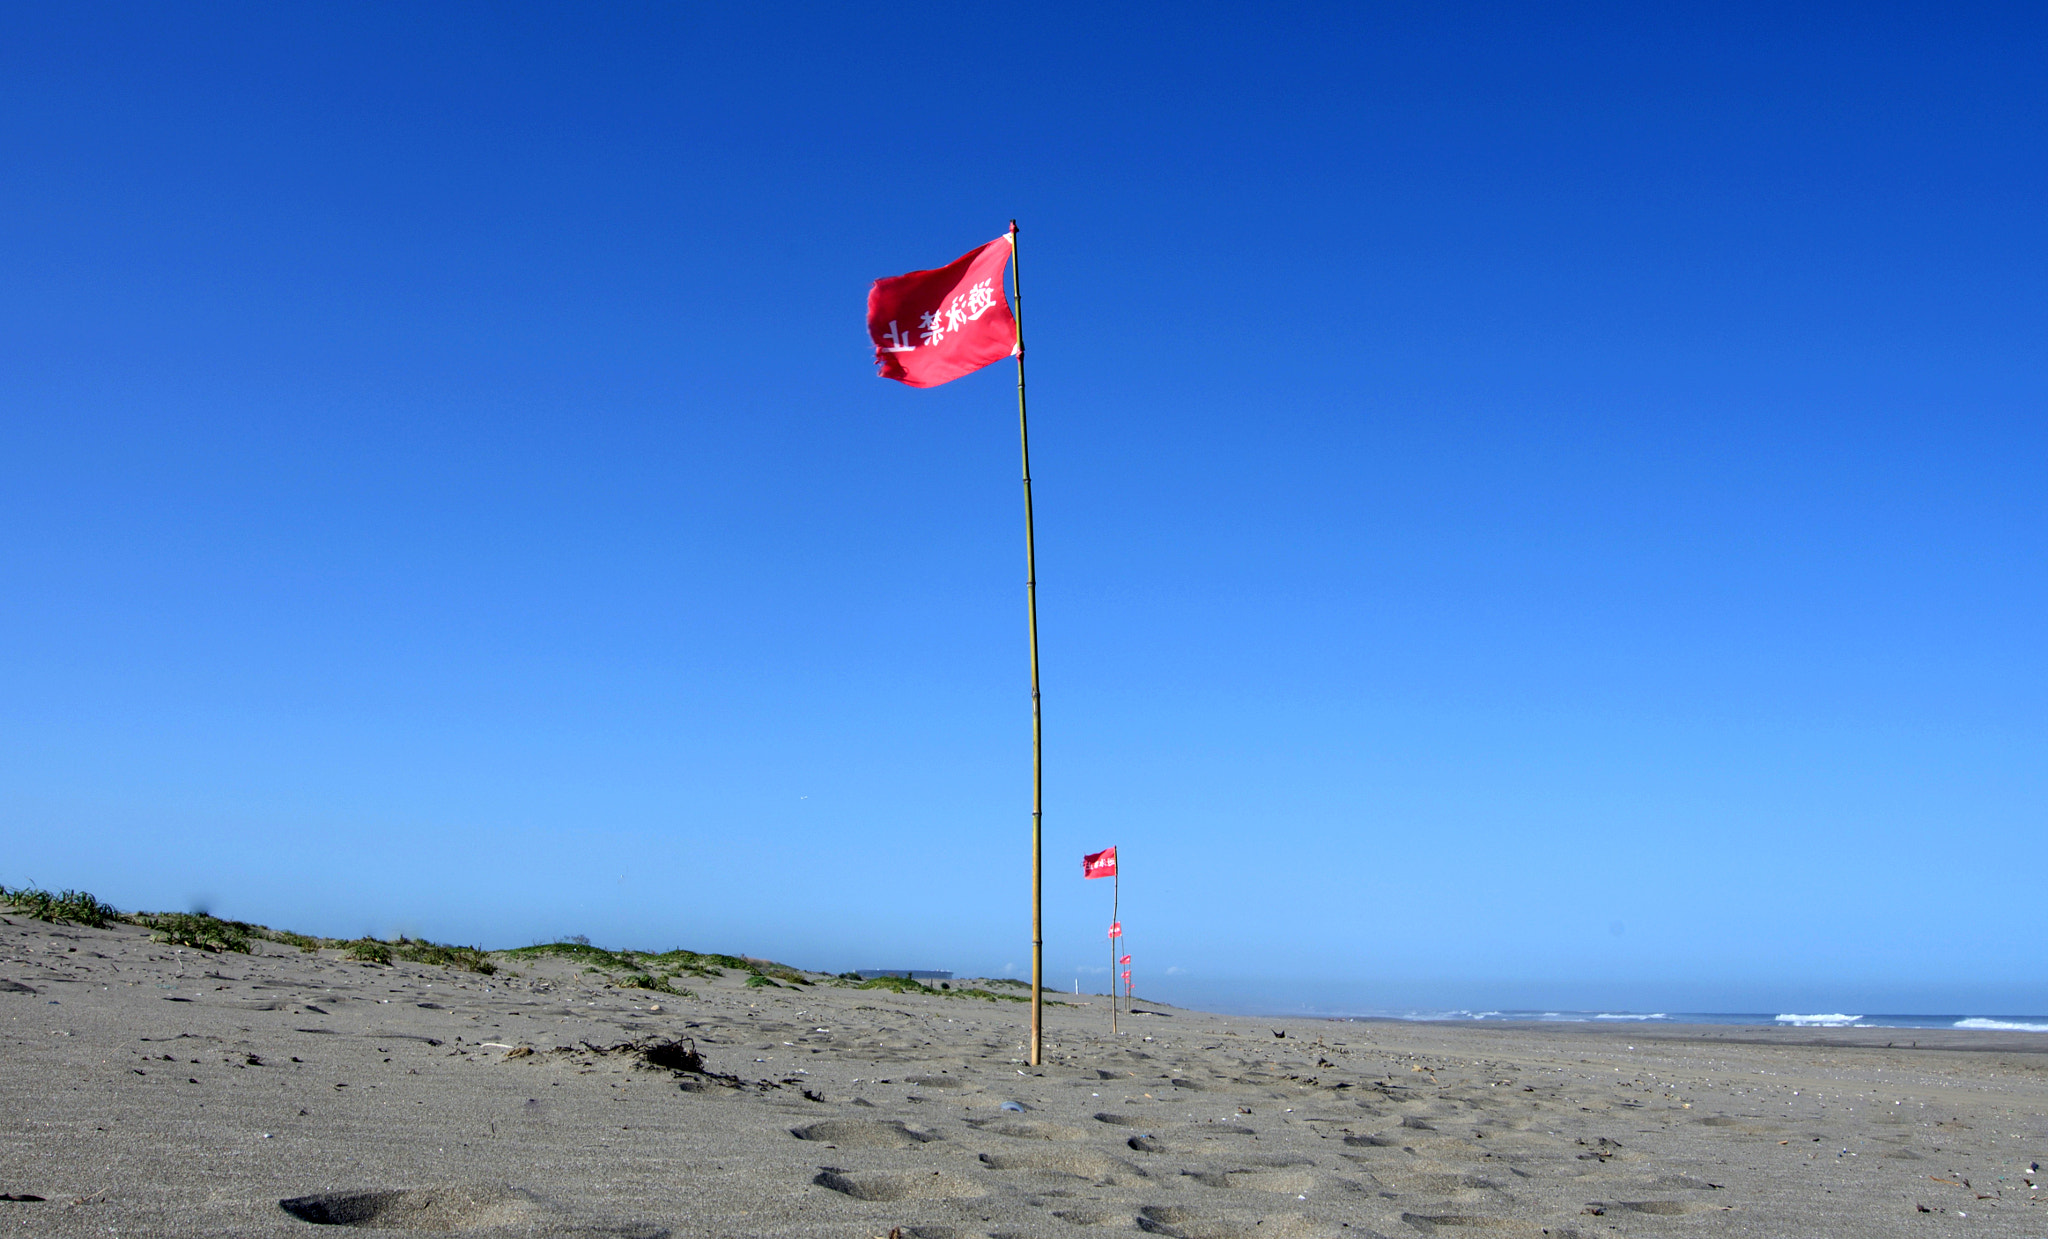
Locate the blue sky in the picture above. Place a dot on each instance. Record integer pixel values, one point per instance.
(1536, 508)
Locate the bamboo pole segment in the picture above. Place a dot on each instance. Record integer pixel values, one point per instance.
(1031, 605)
(1116, 888)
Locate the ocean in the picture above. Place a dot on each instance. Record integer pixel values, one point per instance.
(1990, 1023)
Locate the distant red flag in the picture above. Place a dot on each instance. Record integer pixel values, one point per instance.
(1099, 864)
(1127, 974)
(1125, 960)
(931, 327)
(1116, 929)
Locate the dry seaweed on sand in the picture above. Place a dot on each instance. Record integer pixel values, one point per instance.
(677, 1055)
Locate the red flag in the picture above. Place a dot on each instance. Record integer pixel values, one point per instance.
(931, 327)
(1099, 864)
(1125, 960)
(1127, 974)
(1116, 929)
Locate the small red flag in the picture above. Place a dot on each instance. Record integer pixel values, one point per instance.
(1125, 960)
(931, 327)
(1099, 864)
(1127, 974)
(1116, 929)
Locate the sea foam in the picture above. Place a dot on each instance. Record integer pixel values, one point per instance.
(1819, 1021)
(2001, 1025)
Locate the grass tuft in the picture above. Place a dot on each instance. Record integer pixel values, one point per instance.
(900, 985)
(368, 950)
(75, 907)
(677, 962)
(583, 951)
(696, 963)
(420, 951)
(660, 985)
(199, 929)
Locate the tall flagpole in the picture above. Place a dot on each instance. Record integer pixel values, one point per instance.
(1116, 890)
(1031, 605)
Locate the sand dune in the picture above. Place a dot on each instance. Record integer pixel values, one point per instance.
(151, 1090)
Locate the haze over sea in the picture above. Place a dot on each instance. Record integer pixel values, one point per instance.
(1539, 509)
(1831, 1020)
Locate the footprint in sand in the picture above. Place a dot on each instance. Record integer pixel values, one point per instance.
(1442, 1180)
(1291, 1182)
(1666, 1208)
(862, 1134)
(936, 1081)
(458, 1207)
(1178, 1222)
(1686, 1181)
(880, 1185)
(1492, 1227)
(1082, 1163)
(1031, 1129)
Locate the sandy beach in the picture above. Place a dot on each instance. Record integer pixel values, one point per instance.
(157, 1090)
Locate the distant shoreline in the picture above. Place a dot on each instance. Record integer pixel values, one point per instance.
(1679, 1029)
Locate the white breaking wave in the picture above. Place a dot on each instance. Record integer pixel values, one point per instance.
(2001, 1025)
(1819, 1021)
(1659, 1016)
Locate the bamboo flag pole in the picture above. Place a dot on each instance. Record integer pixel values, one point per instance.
(1031, 605)
(1116, 890)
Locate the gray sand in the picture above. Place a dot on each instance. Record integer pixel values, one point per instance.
(152, 1091)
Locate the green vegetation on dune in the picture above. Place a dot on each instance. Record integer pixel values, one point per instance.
(698, 964)
(907, 985)
(580, 951)
(673, 963)
(660, 985)
(203, 931)
(899, 985)
(420, 951)
(200, 930)
(73, 907)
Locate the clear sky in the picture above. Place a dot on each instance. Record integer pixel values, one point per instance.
(1537, 505)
